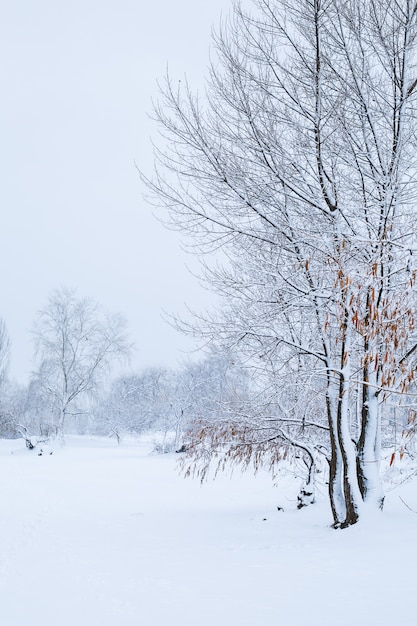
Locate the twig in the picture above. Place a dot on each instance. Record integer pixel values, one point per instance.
(408, 507)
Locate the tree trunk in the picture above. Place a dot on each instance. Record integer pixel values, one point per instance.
(369, 444)
(336, 495)
(351, 491)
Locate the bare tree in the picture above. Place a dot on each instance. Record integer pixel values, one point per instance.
(300, 163)
(76, 343)
(135, 403)
(202, 394)
(6, 417)
(4, 351)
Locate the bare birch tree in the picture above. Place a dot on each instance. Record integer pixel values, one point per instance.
(300, 162)
(76, 342)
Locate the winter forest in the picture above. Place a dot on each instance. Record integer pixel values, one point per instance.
(292, 178)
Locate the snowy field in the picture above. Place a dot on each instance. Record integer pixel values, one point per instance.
(112, 536)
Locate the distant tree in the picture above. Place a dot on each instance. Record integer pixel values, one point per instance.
(132, 405)
(196, 396)
(7, 417)
(4, 351)
(76, 343)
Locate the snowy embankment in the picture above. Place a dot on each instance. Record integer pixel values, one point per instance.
(107, 535)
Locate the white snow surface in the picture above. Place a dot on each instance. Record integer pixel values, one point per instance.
(100, 534)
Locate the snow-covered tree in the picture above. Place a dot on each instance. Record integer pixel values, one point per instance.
(300, 163)
(135, 403)
(7, 389)
(203, 393)
(76, 343)
(4, 351)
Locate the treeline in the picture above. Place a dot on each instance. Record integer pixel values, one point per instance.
(73, 389)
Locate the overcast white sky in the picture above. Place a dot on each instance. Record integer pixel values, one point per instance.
(77, 80)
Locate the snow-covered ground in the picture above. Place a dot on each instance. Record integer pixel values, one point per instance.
(97, 534)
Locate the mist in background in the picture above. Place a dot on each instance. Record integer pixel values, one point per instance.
(77, 82)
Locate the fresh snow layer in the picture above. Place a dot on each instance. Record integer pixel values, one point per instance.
(107, 535)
